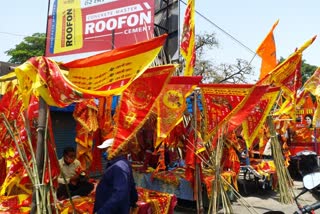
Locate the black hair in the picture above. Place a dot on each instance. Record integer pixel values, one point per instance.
(308, 115)
(67, 150)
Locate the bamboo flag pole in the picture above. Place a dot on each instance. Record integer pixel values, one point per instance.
(198, 186)
(39, 151)
(42, 121)
(284, 179)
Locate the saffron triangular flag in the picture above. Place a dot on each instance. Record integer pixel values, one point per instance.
(136, 103)
(220, 102)
(251, 102)
(279, 74)
(255, 120)
(267, 52)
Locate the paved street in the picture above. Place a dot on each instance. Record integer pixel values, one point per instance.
(262, 201)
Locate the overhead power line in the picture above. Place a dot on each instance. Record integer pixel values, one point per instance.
(222, 30)
(12, 34)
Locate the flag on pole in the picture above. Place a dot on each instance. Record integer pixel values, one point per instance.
(136, 104)
(172, 102)
(187, 46)
(221, 102)
(255, 120)
(267, 52)
(278, 76)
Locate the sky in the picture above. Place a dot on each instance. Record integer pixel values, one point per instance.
(240, 26)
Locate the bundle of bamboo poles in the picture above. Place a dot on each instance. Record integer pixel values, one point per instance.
(284, 179)
(219, 195)
(42, 192)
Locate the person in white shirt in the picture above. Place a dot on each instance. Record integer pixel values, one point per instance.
(72, 177)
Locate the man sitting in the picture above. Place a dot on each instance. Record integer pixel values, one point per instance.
(72, 177)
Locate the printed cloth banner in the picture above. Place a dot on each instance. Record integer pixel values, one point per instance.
(306, 107)
(282, 73)
(290, 86)
(312, 85)
(101, 75)
(220, 102)
(267, 52)
(172, 101)
(187, 47)
(85, 114)
(251, 102)
(136, 103)
(255, 120)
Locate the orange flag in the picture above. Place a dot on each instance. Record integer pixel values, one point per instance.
(267, 52)
(136, 103)
(278, 76)
(187, 47)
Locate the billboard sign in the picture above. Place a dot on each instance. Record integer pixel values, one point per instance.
(93, 26)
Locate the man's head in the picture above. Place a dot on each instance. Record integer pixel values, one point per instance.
(106, 146)
(69, 155)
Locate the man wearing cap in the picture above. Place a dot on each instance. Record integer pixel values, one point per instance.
(116, 191)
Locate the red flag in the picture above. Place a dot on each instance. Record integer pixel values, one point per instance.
(172, 101)
(136, 103)
(85, 114)
(220, 102)
(250, 103)
(187, 46)
(255, 120)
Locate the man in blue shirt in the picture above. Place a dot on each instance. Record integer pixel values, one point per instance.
(116, 191)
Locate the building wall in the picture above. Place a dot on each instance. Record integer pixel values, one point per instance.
(64, 130)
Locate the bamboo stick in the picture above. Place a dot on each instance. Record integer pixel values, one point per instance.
(284, 179)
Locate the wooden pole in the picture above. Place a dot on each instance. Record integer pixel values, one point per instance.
(198, 186)
(42, 117)
(39, 152)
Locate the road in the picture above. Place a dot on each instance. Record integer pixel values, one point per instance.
(262, 201)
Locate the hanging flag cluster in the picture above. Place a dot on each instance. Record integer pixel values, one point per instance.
(151, 117)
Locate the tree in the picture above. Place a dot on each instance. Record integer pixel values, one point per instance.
(30, 46)
(222, 73)
(307, 70)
